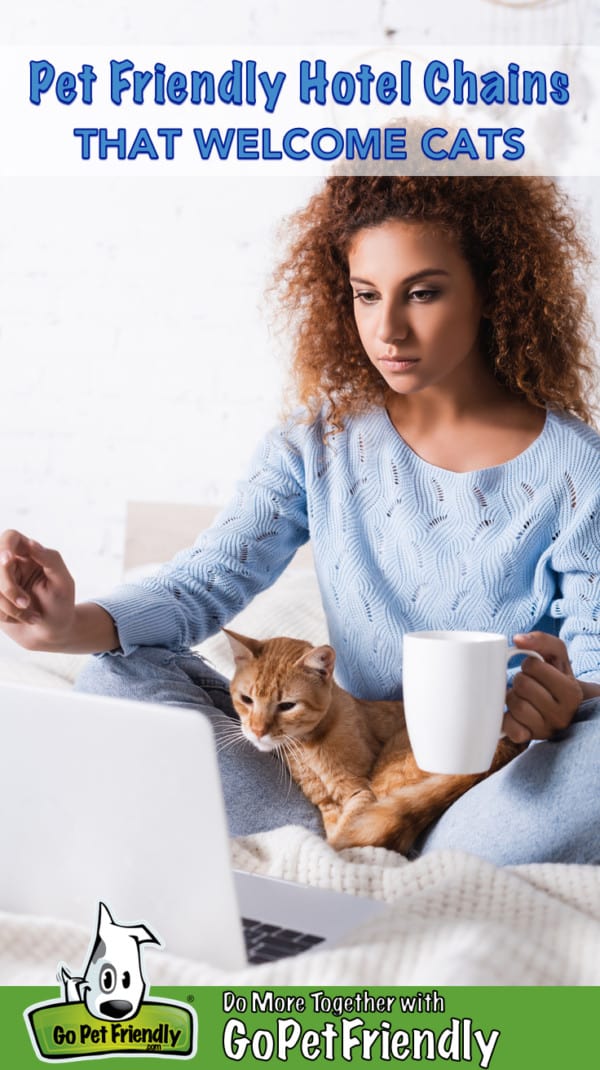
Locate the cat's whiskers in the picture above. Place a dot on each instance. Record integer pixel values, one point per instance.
(228, 735)
(226, 726)
(289, 747)
(231, 744)
(284, 777)
(293, 747)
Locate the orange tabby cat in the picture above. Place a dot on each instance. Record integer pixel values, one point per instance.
(351, 757)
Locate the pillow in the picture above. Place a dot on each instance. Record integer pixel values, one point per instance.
(292, 607)
(36, 669)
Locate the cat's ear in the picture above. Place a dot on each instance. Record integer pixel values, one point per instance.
(243, 649)
(320, 659)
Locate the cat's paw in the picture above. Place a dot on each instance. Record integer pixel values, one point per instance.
(364, 822)
(330, 815)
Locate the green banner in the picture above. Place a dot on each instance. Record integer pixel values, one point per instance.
(62, 1031)
(503, 1028)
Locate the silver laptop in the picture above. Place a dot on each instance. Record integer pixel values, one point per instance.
(120, 802)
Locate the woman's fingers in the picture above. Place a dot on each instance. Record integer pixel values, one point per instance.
(518, 731)
(12, 590)
(50, 560)
(37, 592)
(15, 542)
(551, 648)
(9, 614)
(543, 698)
(27, 570)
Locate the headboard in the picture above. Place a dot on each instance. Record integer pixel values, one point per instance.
(155, 531)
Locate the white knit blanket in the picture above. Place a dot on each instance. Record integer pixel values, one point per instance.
(453, 920)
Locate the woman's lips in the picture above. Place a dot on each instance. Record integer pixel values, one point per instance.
(399, 364)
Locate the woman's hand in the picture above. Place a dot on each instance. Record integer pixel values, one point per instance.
(545, 694)
(37, 593)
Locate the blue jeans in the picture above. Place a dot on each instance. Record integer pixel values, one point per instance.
(259, 792)
(542, 807)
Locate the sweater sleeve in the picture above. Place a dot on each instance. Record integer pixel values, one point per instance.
(576, 560)
(242, 553)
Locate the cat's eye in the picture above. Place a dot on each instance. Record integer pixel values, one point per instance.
(246, 700)
(283, 707)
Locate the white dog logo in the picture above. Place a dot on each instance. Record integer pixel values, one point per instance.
(112, 986)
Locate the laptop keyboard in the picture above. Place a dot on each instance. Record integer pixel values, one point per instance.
(267, 943)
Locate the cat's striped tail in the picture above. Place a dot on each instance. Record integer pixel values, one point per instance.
(398, 818)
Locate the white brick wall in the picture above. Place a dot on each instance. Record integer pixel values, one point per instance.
(135, 360)
(136, 363)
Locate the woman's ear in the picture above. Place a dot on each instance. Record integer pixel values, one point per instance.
(486, 303)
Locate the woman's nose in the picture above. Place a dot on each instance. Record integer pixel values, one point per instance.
(393, 323)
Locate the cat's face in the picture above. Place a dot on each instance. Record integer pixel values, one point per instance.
(281, 688)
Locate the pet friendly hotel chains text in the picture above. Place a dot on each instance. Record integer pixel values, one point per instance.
(350, 1037)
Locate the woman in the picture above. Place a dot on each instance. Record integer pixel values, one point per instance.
(444, 468)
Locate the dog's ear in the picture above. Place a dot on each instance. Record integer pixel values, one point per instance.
(104, 918)
(73, 987)
(143, 935)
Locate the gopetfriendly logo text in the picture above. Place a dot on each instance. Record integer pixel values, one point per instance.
(111, 991)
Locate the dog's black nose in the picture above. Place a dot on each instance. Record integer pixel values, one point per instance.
(116, 1008)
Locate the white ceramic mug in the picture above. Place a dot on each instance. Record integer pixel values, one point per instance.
(454, 686)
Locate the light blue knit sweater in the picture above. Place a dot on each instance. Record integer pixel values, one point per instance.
(399, 545)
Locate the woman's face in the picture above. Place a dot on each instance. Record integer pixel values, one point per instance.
(417, 306)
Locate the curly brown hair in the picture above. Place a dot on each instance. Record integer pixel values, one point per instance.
(519, 237)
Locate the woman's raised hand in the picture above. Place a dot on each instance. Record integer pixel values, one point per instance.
(37, 594)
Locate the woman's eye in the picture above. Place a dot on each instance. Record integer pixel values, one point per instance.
(246, 700)
(283, 707)
(421, 297)
(367, 297)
